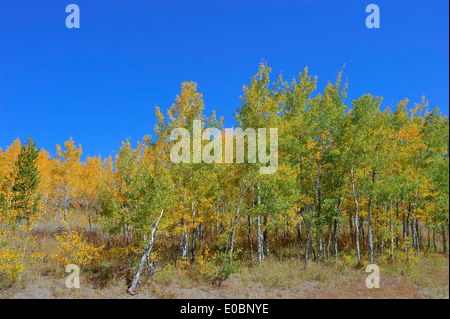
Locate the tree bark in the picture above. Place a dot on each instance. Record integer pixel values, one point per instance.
(147, 251)
(444, 241)
(260, 239)
(336, 225)
(266, 237)
(371, 248)
(316, 208)
(184, 241)
(236, 219)
(434, 239)
(392, 233)
(249, 234)
(356, 219)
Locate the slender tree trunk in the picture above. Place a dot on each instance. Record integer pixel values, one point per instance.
(266, 237)
(236, 220)
(66, 203)
(414, 232)
(355, 199)
(25, 249)
(316, 208)
(371, 250)
(421, 240)
(147, 251)
(124, 235)
(299, 233)
(55, 217)
(363, 234)
(193, 231)
(320, 250)
(318, 246)
(336, 225)
(407, 245)
(193, 237)
(249, 235)
(200, 236)
(299, 240)
(260, 239)
(329, 244)
(350, 221)
(397, 215)
(444, 241)
(308, 239)
(184, 241)
(418, 239)
(404, 223)
(434, 239)
(259, 234)
(392, 233)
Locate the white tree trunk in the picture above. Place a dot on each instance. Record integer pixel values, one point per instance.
(356, 220)
(260, 240)
(147, 251)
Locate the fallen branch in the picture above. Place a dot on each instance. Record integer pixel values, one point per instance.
(147, 252)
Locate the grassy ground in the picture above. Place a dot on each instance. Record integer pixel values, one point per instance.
(426, 277)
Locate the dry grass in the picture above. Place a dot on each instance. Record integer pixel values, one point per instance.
(428, 278)
(283, 277)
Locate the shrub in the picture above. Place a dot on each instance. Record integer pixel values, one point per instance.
(74, 249)
(10, 263)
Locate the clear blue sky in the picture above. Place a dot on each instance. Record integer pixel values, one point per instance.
(99, 84)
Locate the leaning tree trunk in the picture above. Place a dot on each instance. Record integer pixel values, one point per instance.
(147, 251)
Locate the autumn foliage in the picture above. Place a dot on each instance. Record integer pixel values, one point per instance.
(360, 180)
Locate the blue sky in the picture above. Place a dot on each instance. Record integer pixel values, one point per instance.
(99, 84)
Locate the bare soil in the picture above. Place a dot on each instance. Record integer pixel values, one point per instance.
(390, 287)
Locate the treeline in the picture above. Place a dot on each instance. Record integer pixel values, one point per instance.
(377, 174)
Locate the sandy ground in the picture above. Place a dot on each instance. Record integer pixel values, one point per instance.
(51, 288)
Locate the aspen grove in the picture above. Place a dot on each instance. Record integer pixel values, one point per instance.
(353, 179)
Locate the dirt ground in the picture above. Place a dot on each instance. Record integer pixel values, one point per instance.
(51, 288)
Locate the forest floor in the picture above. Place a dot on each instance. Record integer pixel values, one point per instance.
(427, 278)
